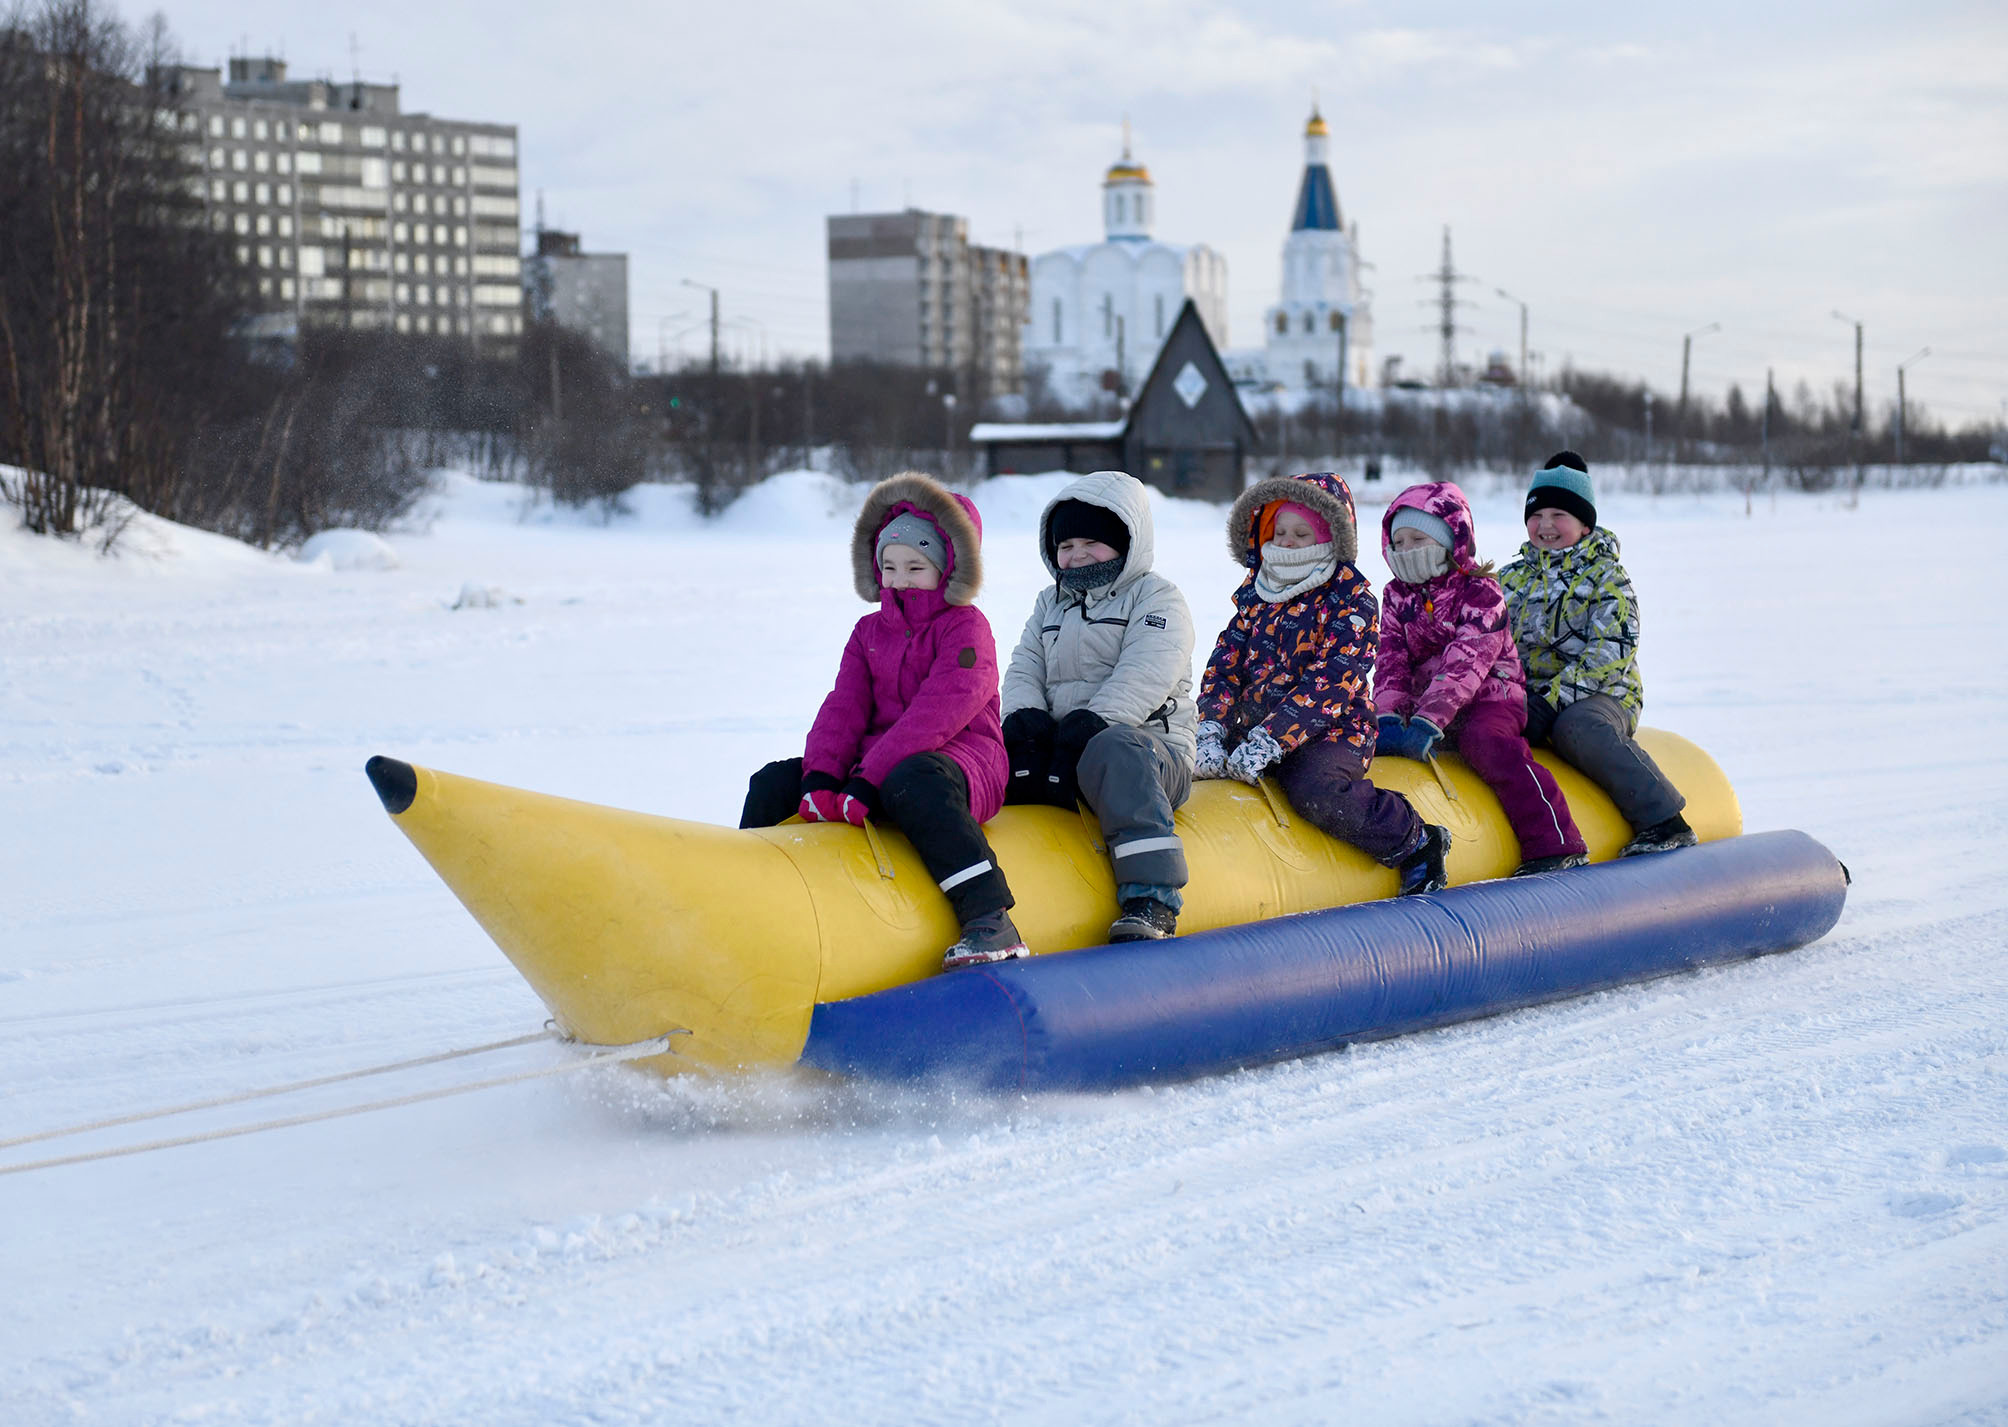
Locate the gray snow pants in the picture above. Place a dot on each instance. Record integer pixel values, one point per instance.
(1595, 735)
(1132, 779)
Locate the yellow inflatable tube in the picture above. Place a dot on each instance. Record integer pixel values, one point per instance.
(630, 926)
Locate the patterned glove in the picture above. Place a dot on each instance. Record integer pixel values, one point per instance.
(1258, 752)
(1423, 736)
(820, 799)
(1212, 759)
(859, 802)
(1390, 732)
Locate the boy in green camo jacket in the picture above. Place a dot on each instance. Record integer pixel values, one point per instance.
(1575, 620)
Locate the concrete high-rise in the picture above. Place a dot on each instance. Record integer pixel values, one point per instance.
(586, 293)
(348, 212)
(909, 288)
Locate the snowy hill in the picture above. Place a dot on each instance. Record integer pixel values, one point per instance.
(1773, 1193)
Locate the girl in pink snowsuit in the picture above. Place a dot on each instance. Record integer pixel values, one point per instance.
(910, 735)
(1448, 668)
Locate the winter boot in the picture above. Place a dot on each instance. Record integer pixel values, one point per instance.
(987, 938)
(1535, 866)
(1422, 870)
(1143, 919)
(1661, 837)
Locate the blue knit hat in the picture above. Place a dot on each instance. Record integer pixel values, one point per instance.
(1563, 485)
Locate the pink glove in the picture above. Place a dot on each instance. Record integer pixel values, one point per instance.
(860, 800)
(821, 806)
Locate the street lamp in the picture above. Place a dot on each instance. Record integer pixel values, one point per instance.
(1523, 332)
(1919, 356)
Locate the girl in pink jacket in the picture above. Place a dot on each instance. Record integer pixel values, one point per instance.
(910, 734)
(1448, 668)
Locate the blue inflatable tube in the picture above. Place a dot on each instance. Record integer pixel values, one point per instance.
(1146, 1011)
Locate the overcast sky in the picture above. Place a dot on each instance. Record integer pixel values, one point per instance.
(1631, 171)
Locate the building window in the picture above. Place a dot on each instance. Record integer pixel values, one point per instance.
(374, 138)
(239, 160)
(331, 133)
(309, 163)
(283, 163)
(264, 192)
(285, 257)
(1338, 321)
(261, 161)
(216, 125)
(403, 292)
(265, 256)
(236, 128)
(399, 233)
(1282, 325)
(264, 287)
(286, 288)
(218, 189)
(241, 191)
(459, 237)
(285, 193)
(459, 144)
(418, 204)
(260, 131)
(264, 225)
(1310, 323)
(285, 226)
(216, 158)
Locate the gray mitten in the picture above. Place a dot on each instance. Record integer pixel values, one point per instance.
(1212, 759)
(1257, 753)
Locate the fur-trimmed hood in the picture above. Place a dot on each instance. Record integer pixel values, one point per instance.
(1446, 502)
(1321, 491)
(953, 515)
(1115, 491)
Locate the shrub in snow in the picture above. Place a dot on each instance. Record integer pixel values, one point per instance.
(350, 550)
(473, 596)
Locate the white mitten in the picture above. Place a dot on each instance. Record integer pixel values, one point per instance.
(1212, 759)
(1258, 751)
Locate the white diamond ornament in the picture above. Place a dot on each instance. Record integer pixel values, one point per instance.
(1189, 385)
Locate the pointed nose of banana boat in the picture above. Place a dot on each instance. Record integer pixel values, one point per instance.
(627, 926)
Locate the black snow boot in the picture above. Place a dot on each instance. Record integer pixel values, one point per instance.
(1661, 837)
(1535, 866)
(990, 937)
(1422, 870)
(1143, 919)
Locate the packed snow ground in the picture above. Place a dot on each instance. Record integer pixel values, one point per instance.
(1771, 1193)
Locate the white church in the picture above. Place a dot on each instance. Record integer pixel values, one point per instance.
(1099, 311)
(1324, 316)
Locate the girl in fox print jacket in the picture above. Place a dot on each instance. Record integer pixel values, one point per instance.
(1288, 688)
(910, 735)
(1448, 669)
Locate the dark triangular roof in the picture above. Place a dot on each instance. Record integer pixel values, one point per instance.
(1205, 357)
(1317, 202)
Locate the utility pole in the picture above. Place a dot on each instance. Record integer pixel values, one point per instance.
(1339, 415)
(1770, 400)
(1907, 361)
(1686, 352)
(1854, 496)
(705, 287)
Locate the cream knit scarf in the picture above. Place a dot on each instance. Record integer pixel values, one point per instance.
(1285, 574)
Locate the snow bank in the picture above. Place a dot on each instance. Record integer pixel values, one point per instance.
(349, 550)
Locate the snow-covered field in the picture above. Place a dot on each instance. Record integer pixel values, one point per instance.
(1767, 1194)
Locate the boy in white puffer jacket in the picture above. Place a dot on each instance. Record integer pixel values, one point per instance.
(1098, 696)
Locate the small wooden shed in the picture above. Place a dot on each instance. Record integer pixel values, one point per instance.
(1186, 433)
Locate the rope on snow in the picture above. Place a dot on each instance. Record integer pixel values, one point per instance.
(658, 1045)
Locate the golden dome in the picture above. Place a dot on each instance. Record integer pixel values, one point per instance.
(1316, 128)
(1127, 170)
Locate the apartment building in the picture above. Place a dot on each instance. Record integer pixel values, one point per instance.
(352, 213)
(583, 292)
(910, 289)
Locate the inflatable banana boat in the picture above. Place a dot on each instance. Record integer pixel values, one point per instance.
(821, 944)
